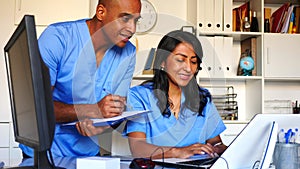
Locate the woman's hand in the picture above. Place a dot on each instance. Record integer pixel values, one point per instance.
(188, 151)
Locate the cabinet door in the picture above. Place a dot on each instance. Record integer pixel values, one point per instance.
(4, 135)
(50, 11)
(231, 132)
(281, 55)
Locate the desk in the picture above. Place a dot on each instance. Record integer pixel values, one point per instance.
(70, 163)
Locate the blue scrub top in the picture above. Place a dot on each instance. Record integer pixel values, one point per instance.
(67, 50)
(188, 129)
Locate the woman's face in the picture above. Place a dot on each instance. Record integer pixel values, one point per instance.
(181, 64)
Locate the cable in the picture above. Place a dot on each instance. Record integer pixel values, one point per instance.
(227, 165)
(162, 150)
(255, 164)
(162, 154)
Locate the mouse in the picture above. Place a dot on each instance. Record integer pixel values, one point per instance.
(142, 163)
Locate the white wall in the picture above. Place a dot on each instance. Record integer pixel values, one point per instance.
(172, 14)
(7, 28)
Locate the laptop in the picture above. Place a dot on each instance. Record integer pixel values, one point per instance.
(203, 161)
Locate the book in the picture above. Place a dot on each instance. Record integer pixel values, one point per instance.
(234, 20)
(297, 19)
(277, 17)
(240, 14)
(286, 20)
(127, 115)
(148, 69)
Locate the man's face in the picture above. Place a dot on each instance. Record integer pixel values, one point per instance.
(120, 21)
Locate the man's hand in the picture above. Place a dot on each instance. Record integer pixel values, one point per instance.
(86, 128)
(112, 105)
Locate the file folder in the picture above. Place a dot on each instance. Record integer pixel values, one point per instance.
(219, 56)
(208, 56)
(227, 20)
(200, 15)
(227, 58)
(209, 7)
(218, 15)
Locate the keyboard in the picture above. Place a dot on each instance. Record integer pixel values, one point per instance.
(197, 163)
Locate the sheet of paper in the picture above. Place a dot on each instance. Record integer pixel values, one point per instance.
(117, 119)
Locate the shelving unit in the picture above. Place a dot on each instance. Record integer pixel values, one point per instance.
(252, 91)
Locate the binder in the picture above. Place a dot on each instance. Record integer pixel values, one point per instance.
(227, 58)
(297, 18)
(148, 69)
(228, 13)
(218, 15)
(201, 15)
(219, 56)
(286, 20)
(209, 15)
(276, 18)
(207, 65)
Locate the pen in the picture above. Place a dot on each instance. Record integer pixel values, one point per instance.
(126, 105)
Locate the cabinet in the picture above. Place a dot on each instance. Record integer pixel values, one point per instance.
(232, 131)
(47, 12)
(281, 50)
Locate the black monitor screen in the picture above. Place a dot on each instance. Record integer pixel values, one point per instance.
(30, 92)
(23, 94)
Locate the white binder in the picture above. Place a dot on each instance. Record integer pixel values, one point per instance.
(219, 56)
(208, 56)
(218, 15)
(209, 8)
(227, 20)
(227, 58)
(200, 15)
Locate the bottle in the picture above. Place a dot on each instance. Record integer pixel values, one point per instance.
(267, 25)
(254, 23)
(246, 27)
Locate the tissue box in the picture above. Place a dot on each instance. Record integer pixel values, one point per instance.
(97, 162)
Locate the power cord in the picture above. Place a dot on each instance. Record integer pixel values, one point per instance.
(227, 165)
(162, 154)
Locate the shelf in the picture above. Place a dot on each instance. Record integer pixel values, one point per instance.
(237, 36)
(280, 79)
(235, 78)
(281, 1)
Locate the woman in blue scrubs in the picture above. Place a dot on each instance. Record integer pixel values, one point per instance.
(184, 121)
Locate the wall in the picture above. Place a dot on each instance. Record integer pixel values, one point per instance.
(7, 28)
(172, 14)
(170, 17)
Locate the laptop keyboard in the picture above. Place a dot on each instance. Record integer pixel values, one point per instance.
(198, 162)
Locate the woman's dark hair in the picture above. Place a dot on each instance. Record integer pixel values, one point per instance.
(195, 101)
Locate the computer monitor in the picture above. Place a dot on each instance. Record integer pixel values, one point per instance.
(254, 146)
(30, 93)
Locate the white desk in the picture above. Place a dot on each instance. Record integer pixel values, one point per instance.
(70, 163)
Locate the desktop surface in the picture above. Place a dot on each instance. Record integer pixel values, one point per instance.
(70, 163)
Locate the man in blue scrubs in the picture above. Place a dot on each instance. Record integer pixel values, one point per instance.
(91, 63)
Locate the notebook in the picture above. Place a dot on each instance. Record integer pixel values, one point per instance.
(197, 161)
